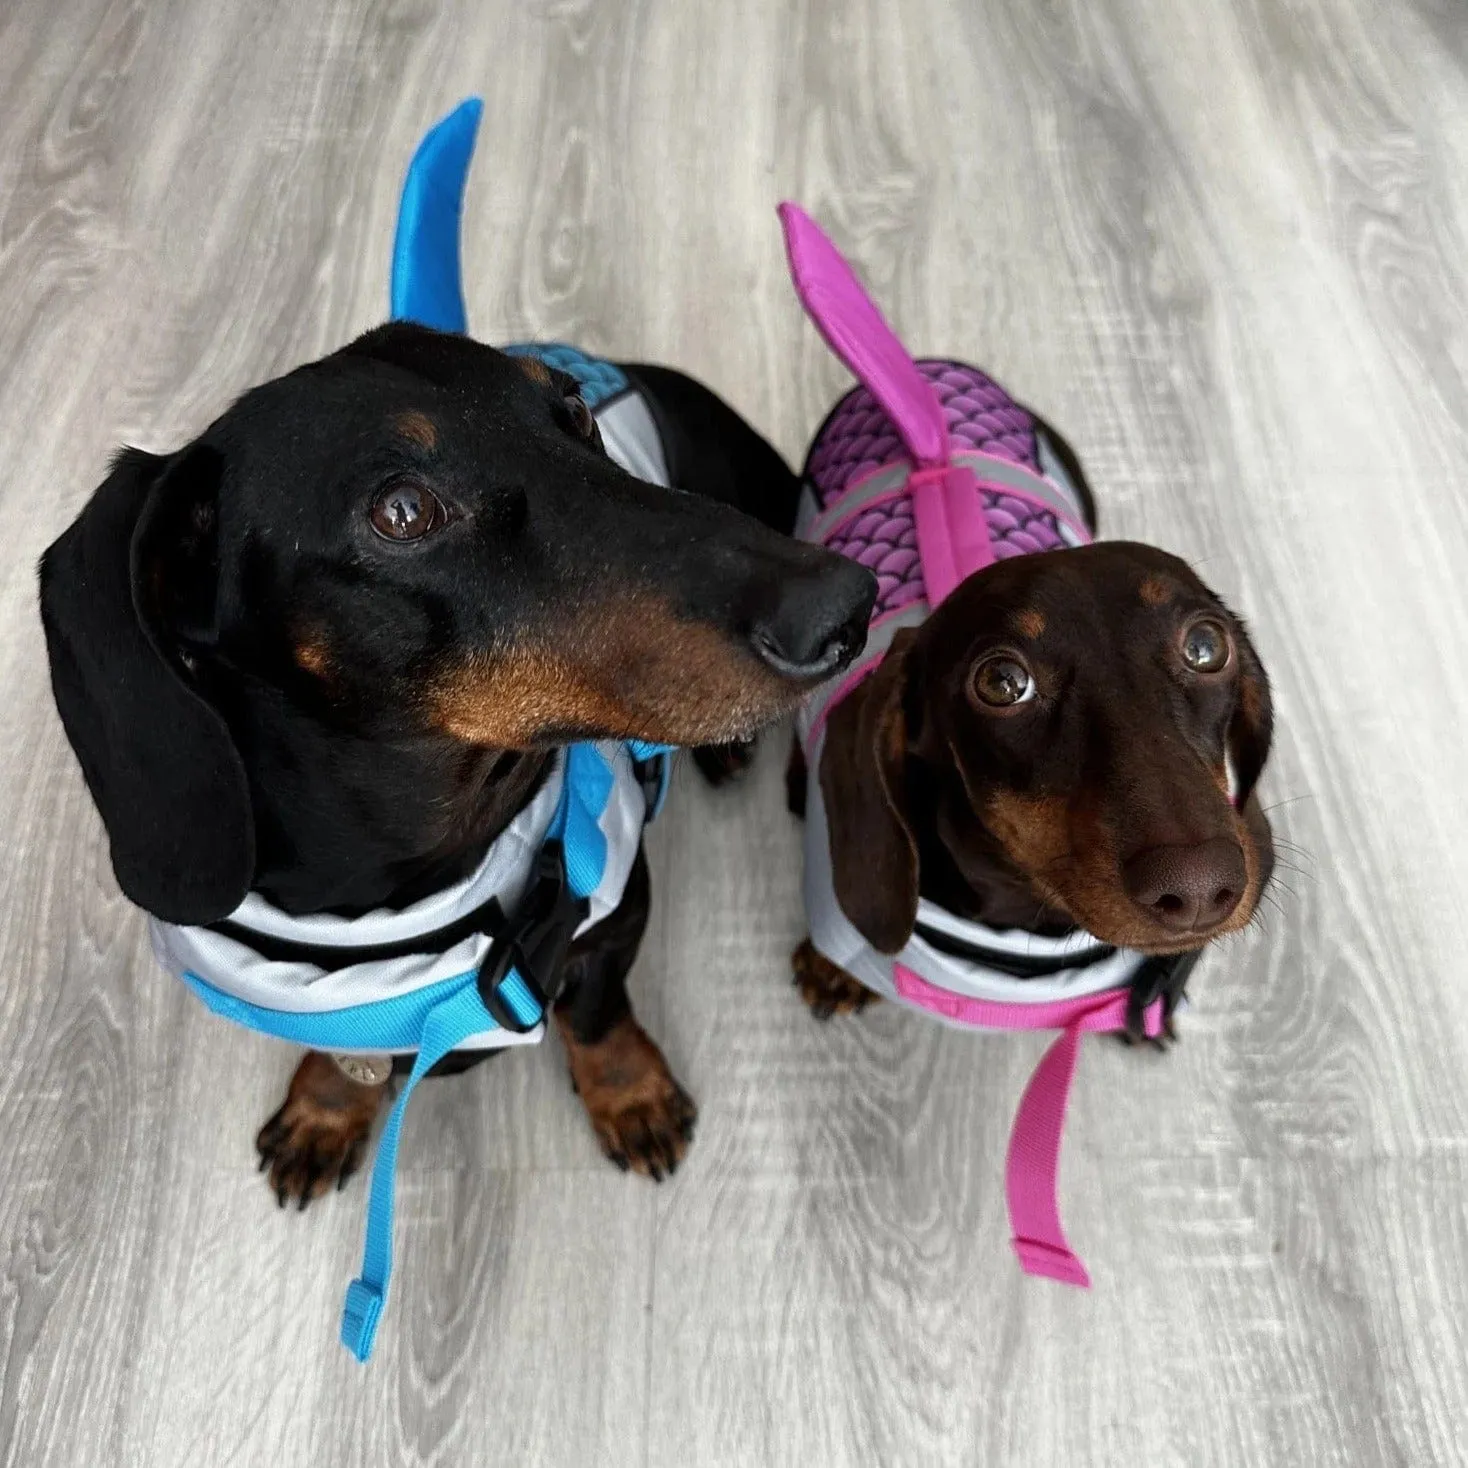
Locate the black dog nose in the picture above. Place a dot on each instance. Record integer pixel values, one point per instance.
(818, 623)
(1187, 888)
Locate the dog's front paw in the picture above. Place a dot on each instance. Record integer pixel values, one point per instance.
(1135, 1032)
(642, 1117)
(1164, 978)
(317, 1138)
(826, 988)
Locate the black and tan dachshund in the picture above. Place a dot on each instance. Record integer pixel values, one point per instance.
(327, 651)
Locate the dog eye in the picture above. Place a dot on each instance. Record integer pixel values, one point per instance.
(406, 510)
(1002, 682)
(581, 420)
(1206, 646)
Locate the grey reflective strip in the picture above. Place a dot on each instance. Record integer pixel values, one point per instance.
(1015, 476)
(836, 514)
(989, 470)
(806, 510)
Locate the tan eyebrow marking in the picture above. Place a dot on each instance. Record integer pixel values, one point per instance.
(1156, 592)
(535, 370)
(418, 428)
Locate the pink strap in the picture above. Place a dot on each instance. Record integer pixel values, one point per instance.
(1032, 1168)
(854, 328)
(952, 535)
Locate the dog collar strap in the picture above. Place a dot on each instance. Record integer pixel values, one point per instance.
(1032, 1165)
(971, 976)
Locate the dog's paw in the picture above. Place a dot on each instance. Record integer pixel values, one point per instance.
(317, 1139)
(1164, 979)
(1134, 1035)
(827, 989)
(642, 1117)
(721, 763)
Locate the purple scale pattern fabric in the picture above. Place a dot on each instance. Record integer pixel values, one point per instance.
(883, 538)
(858, 438)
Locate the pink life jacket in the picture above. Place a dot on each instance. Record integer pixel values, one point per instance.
(926, 473)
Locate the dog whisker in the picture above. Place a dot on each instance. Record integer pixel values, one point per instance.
(1288, 800)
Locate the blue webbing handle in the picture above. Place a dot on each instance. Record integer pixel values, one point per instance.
(447, 1025)
(586, 787)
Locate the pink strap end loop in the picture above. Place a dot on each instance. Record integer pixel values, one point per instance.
(856, 331)
(1045, 1261)
(1032, 1166)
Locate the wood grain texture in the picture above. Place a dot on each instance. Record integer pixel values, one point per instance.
(1223, 247)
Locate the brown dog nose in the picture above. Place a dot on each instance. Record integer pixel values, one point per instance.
(1187, 888)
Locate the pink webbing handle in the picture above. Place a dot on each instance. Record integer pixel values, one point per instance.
(952, 536)
(1032, 1167)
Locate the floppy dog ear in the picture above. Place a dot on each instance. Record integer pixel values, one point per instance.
(874, 858)
(1251, 726)
(139, 563)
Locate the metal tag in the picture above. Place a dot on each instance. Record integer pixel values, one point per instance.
(366, 1070)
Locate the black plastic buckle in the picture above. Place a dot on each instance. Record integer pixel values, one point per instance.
(534, 943)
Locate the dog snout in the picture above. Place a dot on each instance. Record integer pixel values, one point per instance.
(818, 621)
(1188, 889)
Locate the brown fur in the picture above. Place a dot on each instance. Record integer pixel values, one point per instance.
(417, 428)
(703, 690)
(1030, 622)
(1156, 592)
(642, 1117)
(316, 1139)
(312, 656)
(535, 370)
(827, 989)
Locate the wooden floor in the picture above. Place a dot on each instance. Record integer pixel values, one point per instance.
(1225, 247)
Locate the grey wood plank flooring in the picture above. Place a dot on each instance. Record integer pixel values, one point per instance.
(1224, 247)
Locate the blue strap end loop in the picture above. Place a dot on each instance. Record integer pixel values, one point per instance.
(360, 1314)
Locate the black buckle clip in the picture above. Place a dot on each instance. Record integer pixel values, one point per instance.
(535, 942)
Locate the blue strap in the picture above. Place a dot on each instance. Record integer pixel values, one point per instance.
(586, 788)
(644, 753)
(426, 278)
(641, 750)
(584, 793)
(448, 1025)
